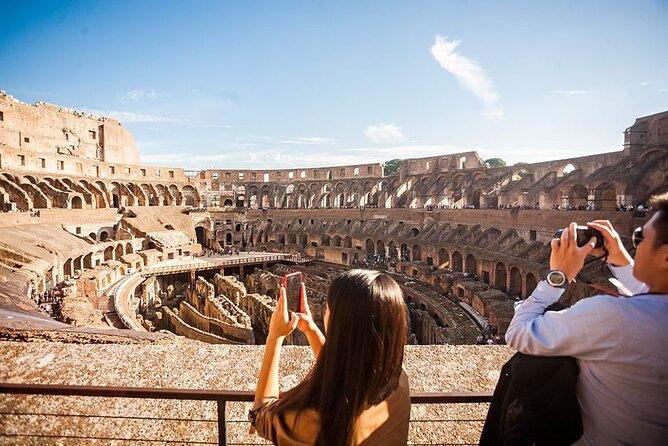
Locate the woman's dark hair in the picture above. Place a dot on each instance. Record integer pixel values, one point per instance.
(360, 363)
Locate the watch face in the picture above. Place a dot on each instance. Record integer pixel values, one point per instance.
(556, 278)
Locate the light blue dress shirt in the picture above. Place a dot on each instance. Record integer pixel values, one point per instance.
(621, 345)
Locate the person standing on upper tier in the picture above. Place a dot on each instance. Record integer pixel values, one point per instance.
(620, 343)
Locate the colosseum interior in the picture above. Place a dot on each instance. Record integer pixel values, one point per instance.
(117, 273)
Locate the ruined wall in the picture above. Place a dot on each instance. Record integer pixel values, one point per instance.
(177, 326)
(50, 129)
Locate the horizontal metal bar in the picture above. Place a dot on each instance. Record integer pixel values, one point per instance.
(82, 437)
(209, 395)
(115, 417)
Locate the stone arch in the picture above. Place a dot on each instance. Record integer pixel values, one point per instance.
(88, 260)
(471, 264)
(415, 232)
(303, 240)
(370, 247)
(566, 169)
(128, 248)
(337, 240)
(67, 268)
(292, 238)
(109, 253)
(104, 235)
(405, 252)
(417, 253)
(348, 242)
(93, 236)
(531, 284)
(605, 196)
(76, 203)
(500, 276)
(515, 281)
(325, 240)
(118, 251)
(443, 258)
(380, 248)
(578, 196)
(457, 264)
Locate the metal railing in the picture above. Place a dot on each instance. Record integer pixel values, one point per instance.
(217, 264)
(220, 397)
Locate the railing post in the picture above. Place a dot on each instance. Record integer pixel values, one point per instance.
(222, 425)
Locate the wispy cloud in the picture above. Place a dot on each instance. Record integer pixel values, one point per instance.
(571, 92)
(137, 95)
(645, 83)
(470, 75)
(663, 90)
(126, 116)
(384, 134)
(307, 140)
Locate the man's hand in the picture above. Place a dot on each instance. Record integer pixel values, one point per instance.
(282, 321)
(617, 254)
(566, 255)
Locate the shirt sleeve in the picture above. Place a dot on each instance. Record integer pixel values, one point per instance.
(625, 276)
(262, 419)
(587, 330)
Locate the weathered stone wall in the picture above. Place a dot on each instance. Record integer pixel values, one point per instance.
(177, 326)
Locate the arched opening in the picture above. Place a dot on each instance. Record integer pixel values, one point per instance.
(578, 197)
(228, 238)
(200, 232)
(515, 281)
(370, 247)
(348, 242)
(128, 248)
(380, 248)
(337, 240)
(405, 252)
(415, 232)
(228, 203)
(531, 283)
(292, 238)
(77, 203)
(281, 239)
(417, 253)
(115, 200)
(500, 276)
(471, 264)
(104, 235)
(443, 258)
(566, 170)
(93, 235)
(457, 264)
(118, 251)
(109, 253)
(190, 200)
(303, 240)
(88, 260)
(605, 197)
(325, 240)
(67, 268)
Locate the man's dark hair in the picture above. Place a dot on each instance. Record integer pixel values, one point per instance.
(660, 204)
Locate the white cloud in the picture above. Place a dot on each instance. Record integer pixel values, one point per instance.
(663, 90)
(384, 134)
(571, 92)
(644, 83)
(469, 74)
(307, 140)
(136, 95)
(126, 116)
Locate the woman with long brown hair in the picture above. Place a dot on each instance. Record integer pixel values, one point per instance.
(357, 392)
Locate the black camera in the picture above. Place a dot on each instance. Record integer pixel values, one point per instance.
(584, 234)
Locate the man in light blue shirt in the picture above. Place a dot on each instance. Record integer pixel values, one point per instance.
(620, 343)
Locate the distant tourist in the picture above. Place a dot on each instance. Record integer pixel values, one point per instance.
(620, 343)
(357, 392)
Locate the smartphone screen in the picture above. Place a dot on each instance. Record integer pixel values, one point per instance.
(293, 289)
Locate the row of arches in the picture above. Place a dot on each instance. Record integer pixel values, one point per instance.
(46, 192)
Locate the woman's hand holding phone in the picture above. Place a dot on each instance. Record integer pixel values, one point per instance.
(283, 322)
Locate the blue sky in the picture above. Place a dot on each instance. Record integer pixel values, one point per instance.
(252, 84)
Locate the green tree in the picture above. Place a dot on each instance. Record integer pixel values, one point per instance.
(496, 162)
(392, 166)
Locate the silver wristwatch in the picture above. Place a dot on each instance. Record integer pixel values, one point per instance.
(556, 279)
